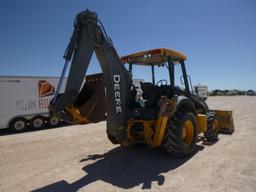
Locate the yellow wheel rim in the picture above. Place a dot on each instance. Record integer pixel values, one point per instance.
(187, 132)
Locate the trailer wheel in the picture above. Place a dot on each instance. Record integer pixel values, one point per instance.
(18, 124)
(181, 134)
(53, 121)
(37, 122)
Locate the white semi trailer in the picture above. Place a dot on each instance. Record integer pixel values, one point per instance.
(24, 102)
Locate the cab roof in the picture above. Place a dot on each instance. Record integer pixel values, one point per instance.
(153, 57)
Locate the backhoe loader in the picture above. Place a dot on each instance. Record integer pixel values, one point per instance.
(164, 115)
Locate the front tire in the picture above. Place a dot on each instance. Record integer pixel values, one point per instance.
(212, 132)
(181, 134)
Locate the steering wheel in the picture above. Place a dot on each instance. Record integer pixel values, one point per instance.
(161, 81)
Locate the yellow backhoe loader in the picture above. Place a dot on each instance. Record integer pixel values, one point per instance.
(163, 115)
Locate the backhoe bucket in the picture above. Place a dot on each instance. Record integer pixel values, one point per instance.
(225, 121)
(91, 100)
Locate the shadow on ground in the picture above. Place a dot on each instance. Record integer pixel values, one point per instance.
(124, 168)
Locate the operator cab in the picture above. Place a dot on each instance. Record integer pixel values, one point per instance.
(146, 105)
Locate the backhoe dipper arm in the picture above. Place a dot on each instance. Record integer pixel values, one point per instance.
(89, 36)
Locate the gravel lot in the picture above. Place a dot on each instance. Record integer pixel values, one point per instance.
(81, 158)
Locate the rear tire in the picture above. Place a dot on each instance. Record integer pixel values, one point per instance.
(37, 122)
(18, 124)
(212, 132)
(181, 134)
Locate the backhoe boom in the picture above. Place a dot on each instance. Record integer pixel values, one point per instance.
(88, 37)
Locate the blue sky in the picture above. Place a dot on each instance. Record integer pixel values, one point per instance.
(218, 36)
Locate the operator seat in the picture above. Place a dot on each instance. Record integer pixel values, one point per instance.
(150, 93)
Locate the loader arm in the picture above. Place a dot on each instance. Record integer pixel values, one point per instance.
(88, 37)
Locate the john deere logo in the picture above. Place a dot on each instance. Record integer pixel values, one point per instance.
(45, 88)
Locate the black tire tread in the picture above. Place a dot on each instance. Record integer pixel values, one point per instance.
(172, 140)
(211, 134)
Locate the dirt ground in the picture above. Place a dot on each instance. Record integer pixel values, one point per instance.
(80, 158)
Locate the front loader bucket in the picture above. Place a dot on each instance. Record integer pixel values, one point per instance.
(225, 121)
(91, 100)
